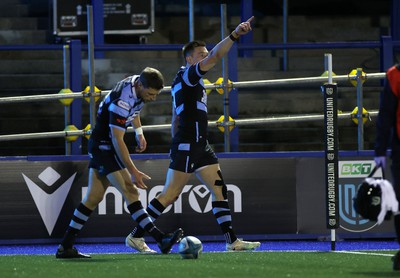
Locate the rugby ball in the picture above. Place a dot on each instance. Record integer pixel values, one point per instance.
(190, 247)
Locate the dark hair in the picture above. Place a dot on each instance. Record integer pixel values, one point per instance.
(188, 48)
(152, 78)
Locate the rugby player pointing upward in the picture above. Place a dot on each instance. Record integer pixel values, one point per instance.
(190, 152)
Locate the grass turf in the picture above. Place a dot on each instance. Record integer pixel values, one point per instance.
(225, 264)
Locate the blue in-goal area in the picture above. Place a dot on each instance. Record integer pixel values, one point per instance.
(266, 246)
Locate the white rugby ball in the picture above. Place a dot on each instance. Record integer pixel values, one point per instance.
(190, 247)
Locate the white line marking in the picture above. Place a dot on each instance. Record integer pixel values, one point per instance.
(365, 253)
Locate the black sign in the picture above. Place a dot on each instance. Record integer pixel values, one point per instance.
(120, 17)
(39, 197)
(268, 196)
(331, 155)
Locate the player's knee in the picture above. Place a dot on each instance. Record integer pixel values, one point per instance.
(220, 192)
(219, 183)
(131, 191)
(92, 200)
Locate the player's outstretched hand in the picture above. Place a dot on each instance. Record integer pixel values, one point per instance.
(138, 179)
(244, 27)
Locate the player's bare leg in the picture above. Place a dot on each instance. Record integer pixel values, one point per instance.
(173, 187)
(97, 187)
(122, 180)
(211, 176)
(175, 182)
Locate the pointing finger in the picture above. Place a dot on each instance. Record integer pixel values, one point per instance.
(146, 177)
(140, 185)
(250, 19)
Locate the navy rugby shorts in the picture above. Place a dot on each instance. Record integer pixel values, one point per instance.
(103, 158)
(186, 157)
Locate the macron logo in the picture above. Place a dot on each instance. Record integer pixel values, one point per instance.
(49, 205)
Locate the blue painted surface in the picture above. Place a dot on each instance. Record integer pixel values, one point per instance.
(320, 246)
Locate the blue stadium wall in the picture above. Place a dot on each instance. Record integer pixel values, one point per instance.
(272, 196)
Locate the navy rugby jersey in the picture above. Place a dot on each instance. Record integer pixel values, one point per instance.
(189, 100)
(118, 109)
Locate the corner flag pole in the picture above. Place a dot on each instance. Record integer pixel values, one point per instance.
(331, 151)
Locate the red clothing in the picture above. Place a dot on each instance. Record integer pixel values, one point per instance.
(393, 76)
(388, 122)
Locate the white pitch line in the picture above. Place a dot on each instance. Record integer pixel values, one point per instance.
(365, 253)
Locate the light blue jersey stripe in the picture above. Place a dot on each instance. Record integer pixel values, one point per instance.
(201, 106)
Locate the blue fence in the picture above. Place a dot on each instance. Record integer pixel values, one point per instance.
(386, 45)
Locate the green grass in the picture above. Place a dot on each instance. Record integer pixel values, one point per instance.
(225, 264)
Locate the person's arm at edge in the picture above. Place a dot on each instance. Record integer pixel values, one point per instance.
(385, 121)
(219, 51)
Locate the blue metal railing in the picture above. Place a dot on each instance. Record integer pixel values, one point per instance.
(386, 45)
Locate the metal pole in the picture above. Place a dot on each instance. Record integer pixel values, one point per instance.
(191, 20)
(91, 66)
(98, 26)
(76, 86)
(360, 125)
(285, 23)
(331, 152)
(67, 110)
(246, 11)
(167, 127)
(227, 144)
(328, 67)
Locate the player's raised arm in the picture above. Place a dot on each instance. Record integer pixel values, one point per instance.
(225, 45)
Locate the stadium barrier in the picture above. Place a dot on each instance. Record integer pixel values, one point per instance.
(277, 195)
(68, 94)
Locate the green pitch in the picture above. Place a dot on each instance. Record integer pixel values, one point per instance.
(225, 264)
